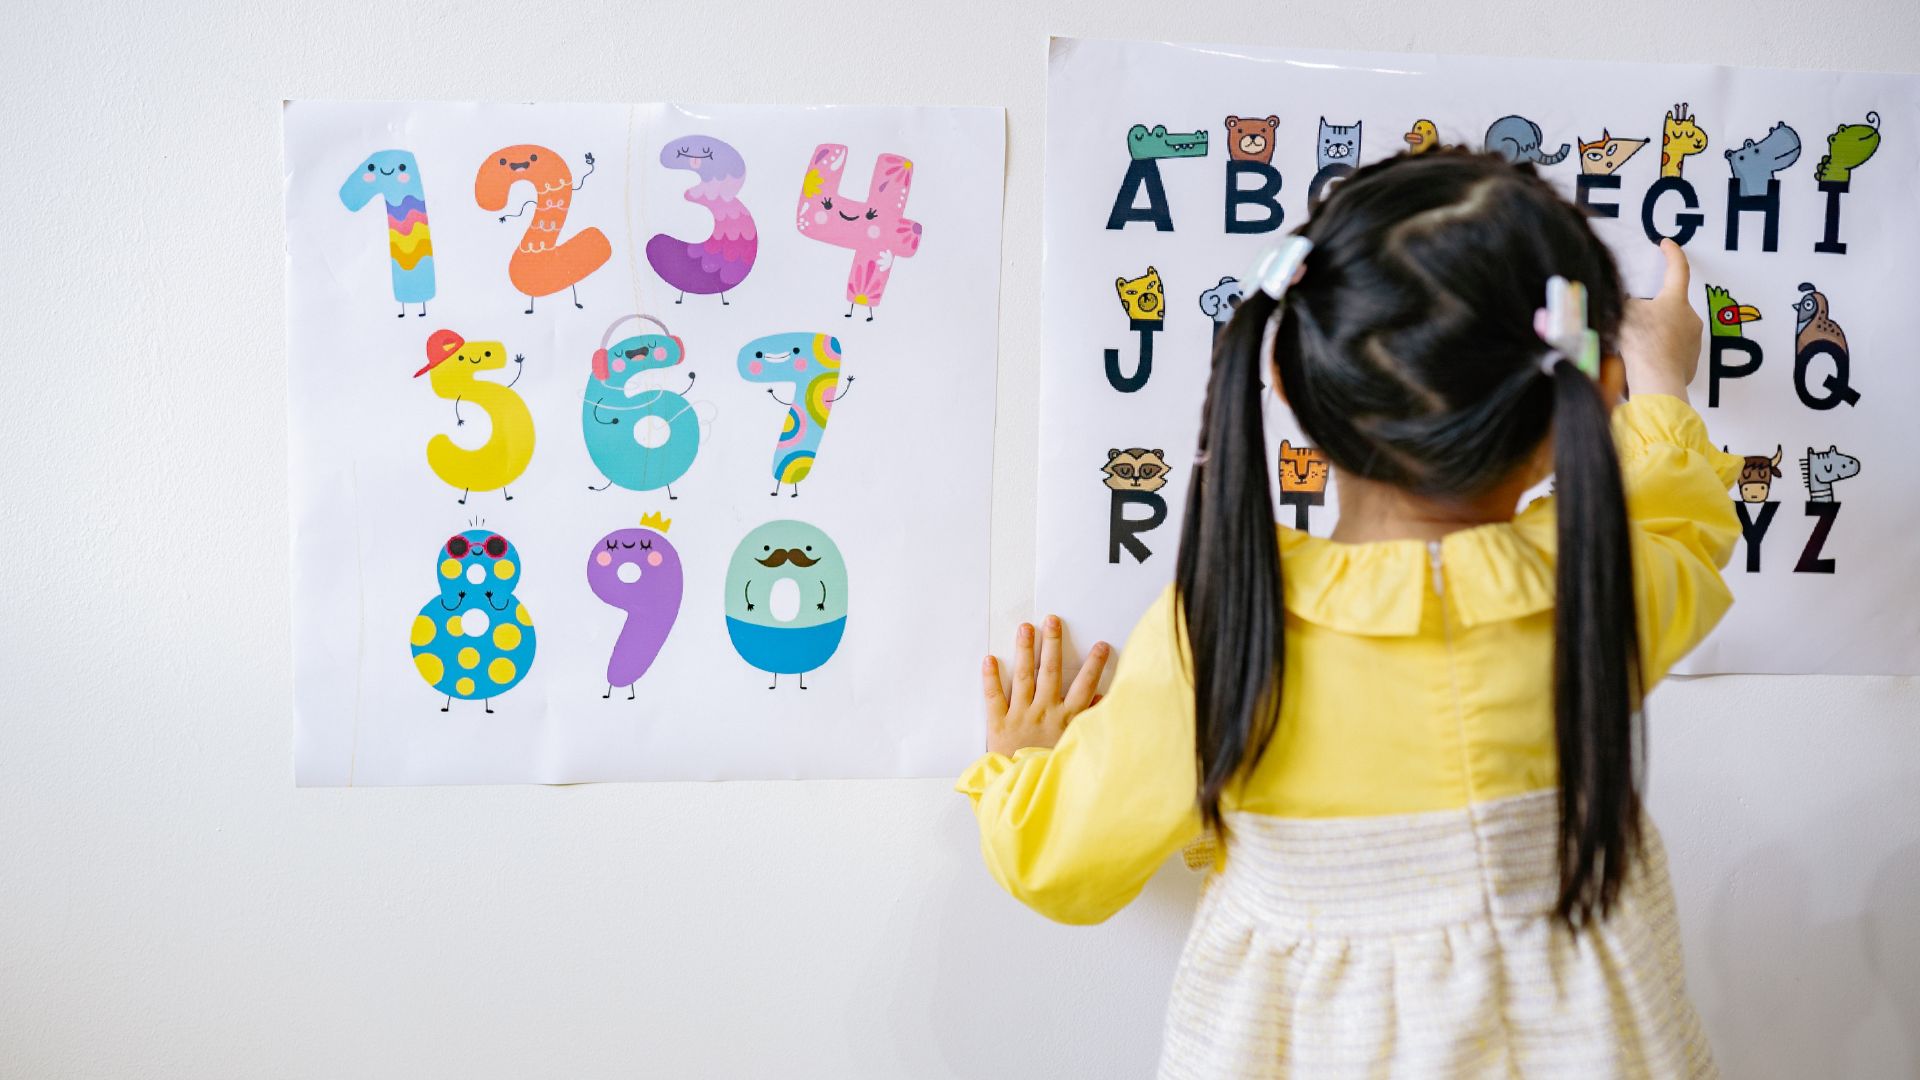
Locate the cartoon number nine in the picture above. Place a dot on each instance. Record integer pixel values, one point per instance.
(637, 571)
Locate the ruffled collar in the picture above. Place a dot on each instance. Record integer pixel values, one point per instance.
(1492, 573)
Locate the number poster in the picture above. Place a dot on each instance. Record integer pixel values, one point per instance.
(638, 442)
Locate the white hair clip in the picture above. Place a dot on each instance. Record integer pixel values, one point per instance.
(1281, 267)
(1562, 324)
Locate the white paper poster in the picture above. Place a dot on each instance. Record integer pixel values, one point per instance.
(567, 504)
(1170, 168)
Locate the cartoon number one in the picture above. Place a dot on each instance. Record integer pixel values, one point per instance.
(874, 230)
(611, 419)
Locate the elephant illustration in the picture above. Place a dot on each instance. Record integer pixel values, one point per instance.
(1517, 139)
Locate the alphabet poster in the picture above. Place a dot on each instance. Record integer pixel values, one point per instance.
(1796, 194)
(638, 442)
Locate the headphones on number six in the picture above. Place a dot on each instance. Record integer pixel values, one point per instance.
(600, 361)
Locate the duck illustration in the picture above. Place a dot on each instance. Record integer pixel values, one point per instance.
(1422, 138)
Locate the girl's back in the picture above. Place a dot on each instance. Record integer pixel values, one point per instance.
(1403, 866)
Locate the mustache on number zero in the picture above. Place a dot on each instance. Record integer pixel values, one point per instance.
(782, 556)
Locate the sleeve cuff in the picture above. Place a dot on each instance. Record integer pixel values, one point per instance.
(984, 771)
(1648, 421)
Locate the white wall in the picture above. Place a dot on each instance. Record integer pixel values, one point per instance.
(170, 906)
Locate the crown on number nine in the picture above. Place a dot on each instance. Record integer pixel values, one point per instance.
(654, 520)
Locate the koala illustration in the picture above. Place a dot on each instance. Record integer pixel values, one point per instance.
(1144, 297)
(1135, 470)
(1220, 301)
(1251, 140)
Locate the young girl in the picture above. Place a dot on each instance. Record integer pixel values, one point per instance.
(1417, 741)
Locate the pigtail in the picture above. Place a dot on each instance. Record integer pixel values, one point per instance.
(1596, 675)
(1227, 577)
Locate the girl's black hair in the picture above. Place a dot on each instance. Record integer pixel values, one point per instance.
(1408, 354)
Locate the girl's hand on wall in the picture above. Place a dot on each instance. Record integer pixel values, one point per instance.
(1037, 714)
(1660, 338)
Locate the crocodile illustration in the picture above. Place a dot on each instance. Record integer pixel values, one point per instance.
(1145, 145)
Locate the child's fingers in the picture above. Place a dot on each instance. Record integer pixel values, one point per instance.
(1678, 272)
(1023, 666)
(1081, 694)
(996, 694)
(1047, 689)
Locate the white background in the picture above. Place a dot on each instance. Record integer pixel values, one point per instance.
(912, 530)
(171, 906)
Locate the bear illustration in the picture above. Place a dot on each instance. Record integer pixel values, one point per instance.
(1251, 140)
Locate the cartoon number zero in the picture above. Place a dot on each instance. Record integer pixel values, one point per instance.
(722, 261)
(544, 264)
(454, 362)
(639, 438)
(394, 175)
(474, 640)
(637, 571)
(876, 231)
(786, 600)
(808, 365)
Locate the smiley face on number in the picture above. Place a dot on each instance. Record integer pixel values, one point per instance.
(475, 640)
(786, 598)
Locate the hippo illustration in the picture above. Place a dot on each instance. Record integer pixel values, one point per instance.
(1517, 139)
(1754, 163)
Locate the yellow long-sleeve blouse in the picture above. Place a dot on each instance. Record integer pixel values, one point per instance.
(1419, 678)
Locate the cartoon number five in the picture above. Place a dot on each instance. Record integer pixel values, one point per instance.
(545, 264)
(453, 362)
(874, 230)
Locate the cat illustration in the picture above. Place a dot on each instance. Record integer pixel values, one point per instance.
(1604, 155)
(1302, 468)
(1144, 297)
(1135, 470)
(1339, 144)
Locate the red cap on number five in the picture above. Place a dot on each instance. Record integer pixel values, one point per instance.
(442, 344)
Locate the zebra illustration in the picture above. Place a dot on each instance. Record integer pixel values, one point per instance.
(1821, 469)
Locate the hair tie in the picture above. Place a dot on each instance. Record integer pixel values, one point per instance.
(1562, 324)
(1281, 267)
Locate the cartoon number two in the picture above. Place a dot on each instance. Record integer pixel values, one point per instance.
(544, 264)
(637, 571)
(808, 365)
(394, 175)
(722, 261)
(876, 231)
(474, 640)
(786, 601)
(454, 362)
(639, 438)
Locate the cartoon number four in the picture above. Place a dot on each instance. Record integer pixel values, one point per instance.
(394, 175)
(876, 231)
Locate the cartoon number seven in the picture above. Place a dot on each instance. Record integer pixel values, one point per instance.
(875, 230)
